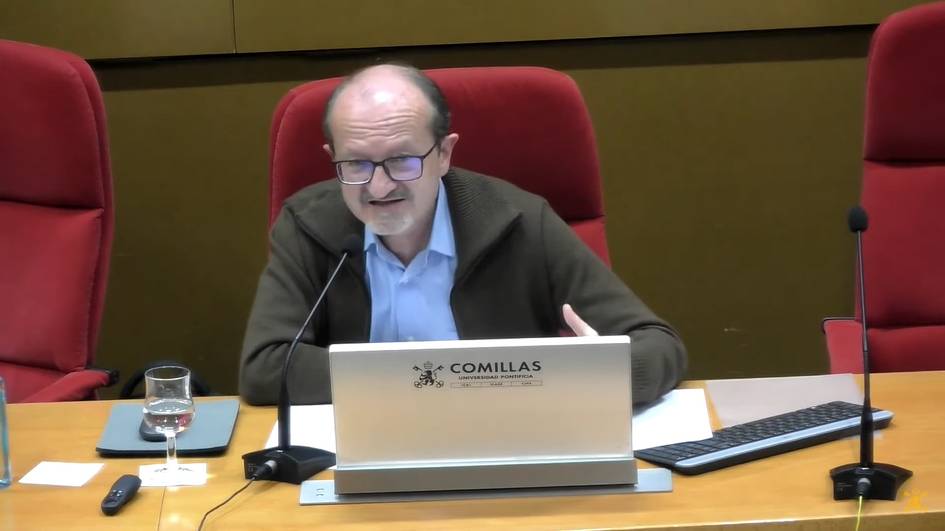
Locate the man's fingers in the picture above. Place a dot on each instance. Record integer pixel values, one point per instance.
(577, 325)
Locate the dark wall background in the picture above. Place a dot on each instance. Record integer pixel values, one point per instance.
(729, 136)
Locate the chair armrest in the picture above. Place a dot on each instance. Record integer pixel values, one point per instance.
(844, 344)
(77, 385)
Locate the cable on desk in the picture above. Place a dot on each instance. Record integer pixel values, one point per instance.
(206, 514)
(859, 513)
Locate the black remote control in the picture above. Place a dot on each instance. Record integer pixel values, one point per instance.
(121, 493)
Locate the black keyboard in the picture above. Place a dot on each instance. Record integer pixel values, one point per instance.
(764, 437)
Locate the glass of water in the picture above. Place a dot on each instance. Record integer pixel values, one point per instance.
(168, 406)
(5, 474)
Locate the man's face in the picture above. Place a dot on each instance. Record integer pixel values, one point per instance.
(379, 120)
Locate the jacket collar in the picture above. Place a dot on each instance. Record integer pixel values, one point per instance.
(481, 216)
(321, 213)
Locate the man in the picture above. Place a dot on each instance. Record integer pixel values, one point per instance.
(447, 253)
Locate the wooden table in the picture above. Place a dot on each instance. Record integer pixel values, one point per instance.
(790, 491)
(67, 431)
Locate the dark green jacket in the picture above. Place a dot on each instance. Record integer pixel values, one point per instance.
(517, 263)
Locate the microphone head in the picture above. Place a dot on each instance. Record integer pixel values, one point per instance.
(857, 219)
(352, 245)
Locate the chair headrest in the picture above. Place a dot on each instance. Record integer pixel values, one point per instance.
(905, 109)
(52, 136)
(526, 125)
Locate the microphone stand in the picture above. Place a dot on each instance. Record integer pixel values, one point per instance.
(872, 481)
(287, 463)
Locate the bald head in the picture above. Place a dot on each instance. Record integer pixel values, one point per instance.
(384, 88)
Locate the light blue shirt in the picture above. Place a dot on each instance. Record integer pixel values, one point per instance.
(412, 303)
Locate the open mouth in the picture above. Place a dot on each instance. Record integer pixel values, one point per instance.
(385, 202)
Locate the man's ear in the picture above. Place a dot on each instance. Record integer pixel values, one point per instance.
(327, 149)
(446, 151)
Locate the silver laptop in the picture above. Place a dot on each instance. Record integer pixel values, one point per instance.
(460, 415)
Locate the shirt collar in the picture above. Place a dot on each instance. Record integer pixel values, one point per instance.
(441, 235)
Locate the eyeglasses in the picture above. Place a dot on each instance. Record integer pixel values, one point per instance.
(400, 168)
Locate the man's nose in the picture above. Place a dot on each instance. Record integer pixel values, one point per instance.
(380, 184)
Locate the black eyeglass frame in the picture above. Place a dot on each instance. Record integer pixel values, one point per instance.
(383, 164)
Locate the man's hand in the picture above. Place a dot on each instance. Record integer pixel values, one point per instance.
(577, 325)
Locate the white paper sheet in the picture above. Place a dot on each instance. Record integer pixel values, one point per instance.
(191, 474)
(310, 426)
(679, 416)
(61, 474)
(743, 400)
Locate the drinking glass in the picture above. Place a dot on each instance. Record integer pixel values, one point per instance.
(168, 406)
(5, 474)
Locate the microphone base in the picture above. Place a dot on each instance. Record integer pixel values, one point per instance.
(293, 465)
(884, 481)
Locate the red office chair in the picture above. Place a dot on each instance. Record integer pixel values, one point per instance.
(526, 125)
(56, 219)
(903, 193)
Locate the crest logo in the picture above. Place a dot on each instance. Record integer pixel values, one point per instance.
(427, 376)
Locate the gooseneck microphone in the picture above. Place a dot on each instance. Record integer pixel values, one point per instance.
(287, 463)
(858, 223)
(872, 481)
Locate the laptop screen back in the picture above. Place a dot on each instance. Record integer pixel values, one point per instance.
(482, 400)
